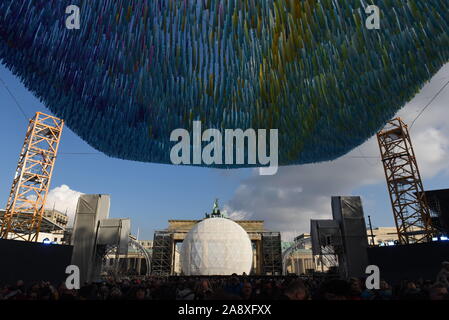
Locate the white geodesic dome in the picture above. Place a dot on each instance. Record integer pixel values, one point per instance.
(216, 246)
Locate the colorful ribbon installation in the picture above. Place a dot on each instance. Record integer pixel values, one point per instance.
(138, 69)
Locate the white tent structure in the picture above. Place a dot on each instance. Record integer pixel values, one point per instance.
(216, 246)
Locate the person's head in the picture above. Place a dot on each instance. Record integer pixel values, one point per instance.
(411, 285)
(438, 292)
(336, 290)
(191, 285)
(19, 284)
(268, 286)
(140, 293)
(384, 285)
(156, 284)
(104, 290)
(35, 287)
(45, 293)
(356, 286)
(445, 265)
(221, 294)
(205, 286)
(247, 289)
(181, 284)
(296, 290)
(115, 293)
(125, 283)
(427, 285)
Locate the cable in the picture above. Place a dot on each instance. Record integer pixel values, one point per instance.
(366, 158)
(363, 157)
(79, 153)
(430, 102)
(26, 118)
(416, 118)
(15, 100)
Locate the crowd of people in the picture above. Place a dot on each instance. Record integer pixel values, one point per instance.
(234, 288)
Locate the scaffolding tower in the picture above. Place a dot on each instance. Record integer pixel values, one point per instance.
(26, 202)
(408, 200)
(271, 253)
(161, 260)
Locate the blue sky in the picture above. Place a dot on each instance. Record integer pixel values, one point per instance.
(150, 194)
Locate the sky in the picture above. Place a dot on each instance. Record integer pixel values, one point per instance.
(150, 194)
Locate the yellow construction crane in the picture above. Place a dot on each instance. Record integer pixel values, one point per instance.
(26, 203)
(408, 200)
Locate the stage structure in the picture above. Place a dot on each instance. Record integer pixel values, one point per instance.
(267, 259)
(94, 235)
(163, 256)
(438, 201)
(408, 200)
(326, 242)
(300, 243)
(118, 263)
(26, 202)
(272, 253)
(342, 239)
(348, 213)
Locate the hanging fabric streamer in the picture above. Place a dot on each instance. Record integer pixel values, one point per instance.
(137, 69)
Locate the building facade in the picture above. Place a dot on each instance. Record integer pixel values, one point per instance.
(267, 254)
(53, 225)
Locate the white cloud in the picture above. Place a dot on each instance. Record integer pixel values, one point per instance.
(236, 214)
(432, 147)
(63, 199)
(288, 200)
(289, 236)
